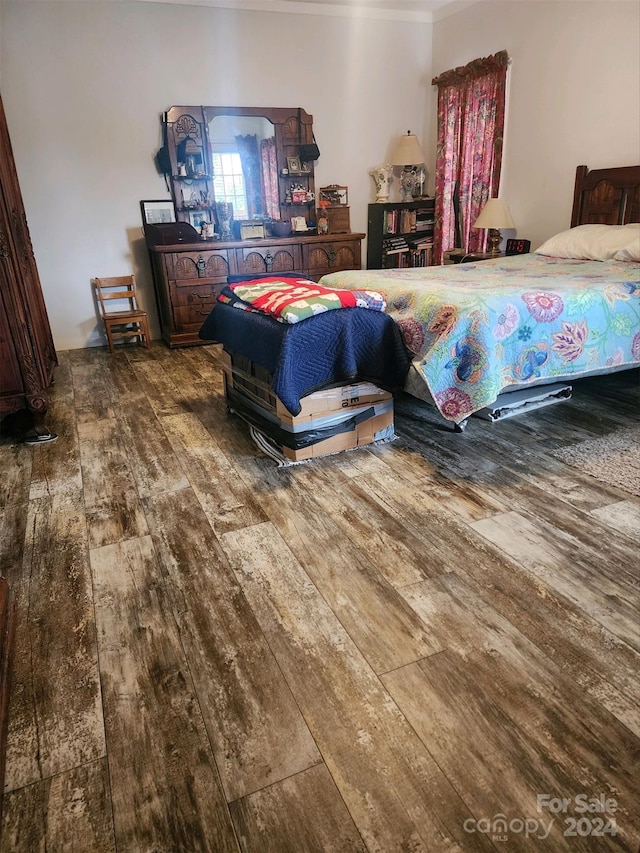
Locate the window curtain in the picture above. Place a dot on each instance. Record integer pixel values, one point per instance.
(471, 102)
(250, 159)
(270, 192)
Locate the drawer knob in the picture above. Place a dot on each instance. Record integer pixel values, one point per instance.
(195, 295)
(332, 256)
(268, 259)
(201, 265)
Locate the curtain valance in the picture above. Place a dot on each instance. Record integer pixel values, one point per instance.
(475, 68)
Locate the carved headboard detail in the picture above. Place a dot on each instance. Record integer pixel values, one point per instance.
(607, 196)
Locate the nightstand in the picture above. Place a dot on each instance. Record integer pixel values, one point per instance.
(457, 256)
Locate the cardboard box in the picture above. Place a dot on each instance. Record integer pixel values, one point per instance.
(254, 382)
(288, 439)
(378, 428)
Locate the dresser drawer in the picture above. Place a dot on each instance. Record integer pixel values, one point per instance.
(321, 258)
(189, 294)
(189, 318)
(261, 259)
(213, 265)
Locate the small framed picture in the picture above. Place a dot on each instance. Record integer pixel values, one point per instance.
(156, 212)
(294, 164)
(336, 195)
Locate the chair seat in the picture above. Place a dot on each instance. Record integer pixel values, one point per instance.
(111, 315)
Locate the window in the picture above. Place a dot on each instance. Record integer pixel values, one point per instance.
(228, 182)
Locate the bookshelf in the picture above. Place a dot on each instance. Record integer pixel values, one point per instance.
(400, 234)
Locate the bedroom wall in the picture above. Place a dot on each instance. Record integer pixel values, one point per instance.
(574, 95)
(84, 84)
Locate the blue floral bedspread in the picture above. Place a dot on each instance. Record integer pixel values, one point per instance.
(476, 329)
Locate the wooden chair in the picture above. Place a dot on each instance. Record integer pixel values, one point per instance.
(130, 322)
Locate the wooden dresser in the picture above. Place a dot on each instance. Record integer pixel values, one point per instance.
(188, 276)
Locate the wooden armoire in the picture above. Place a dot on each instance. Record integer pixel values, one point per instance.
(27, 353)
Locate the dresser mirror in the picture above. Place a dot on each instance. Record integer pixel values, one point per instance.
(238, 156)
(244, 165)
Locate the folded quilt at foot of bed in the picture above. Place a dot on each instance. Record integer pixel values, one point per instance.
(290, 300)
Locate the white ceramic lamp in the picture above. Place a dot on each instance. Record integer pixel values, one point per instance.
(408, 154)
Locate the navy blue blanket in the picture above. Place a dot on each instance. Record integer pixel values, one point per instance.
(346, 345)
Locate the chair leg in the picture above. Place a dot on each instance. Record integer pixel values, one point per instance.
(145, 337)
(107, 328)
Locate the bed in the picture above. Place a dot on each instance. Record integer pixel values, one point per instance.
(462, 335)
(572, 309)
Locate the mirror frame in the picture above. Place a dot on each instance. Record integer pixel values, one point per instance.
(288, 131)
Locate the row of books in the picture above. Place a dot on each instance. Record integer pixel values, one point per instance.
(405, 221)
(397, 253)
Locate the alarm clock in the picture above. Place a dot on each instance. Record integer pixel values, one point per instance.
(517, 247)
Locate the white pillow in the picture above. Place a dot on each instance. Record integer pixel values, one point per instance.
(631, 252)
(589, 242)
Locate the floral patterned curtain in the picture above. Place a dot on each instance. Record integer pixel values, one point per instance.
(471, 102)
(270, 193)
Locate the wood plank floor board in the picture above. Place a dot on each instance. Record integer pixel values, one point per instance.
(551, 477)
(450, 539)
(55, 467)
(623, 516)
(70, 811)
(459, 496)
(226, 500)
(583, 643)
(13, 528)
(500, 760)
(302, 813)
(153, 464)
(603, 665)
(397, 553)
(371, 610)
(15, 472)
(614, 602)
(393, 789)
(165, 787)
(256, 730)
(206, 363)
(55, 723)
(163, 395)
(90, 375)
(535, 693)
(112, 505)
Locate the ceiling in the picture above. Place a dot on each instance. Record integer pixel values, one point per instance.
(404, 10)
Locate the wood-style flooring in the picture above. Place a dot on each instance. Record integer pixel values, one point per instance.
(430, 645)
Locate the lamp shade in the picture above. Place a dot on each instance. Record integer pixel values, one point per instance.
(495, 214)
(407, 151)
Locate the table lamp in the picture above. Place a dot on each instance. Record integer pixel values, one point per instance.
(408, 154)
(495, 215)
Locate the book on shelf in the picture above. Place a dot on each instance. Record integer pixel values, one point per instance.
(421, 243)
(394, 245)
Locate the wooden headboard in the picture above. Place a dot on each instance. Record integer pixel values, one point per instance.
(607, 196)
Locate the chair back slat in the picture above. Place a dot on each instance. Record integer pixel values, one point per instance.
(121, 288)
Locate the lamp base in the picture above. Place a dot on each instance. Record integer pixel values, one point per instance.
(493, 241)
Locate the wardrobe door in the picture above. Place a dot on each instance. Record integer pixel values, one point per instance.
(26, 343)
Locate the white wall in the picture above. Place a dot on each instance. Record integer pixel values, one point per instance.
(84, 84)
(574, 95)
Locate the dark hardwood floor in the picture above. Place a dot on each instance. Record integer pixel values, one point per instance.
(430, 645)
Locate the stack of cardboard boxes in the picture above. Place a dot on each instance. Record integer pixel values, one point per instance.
(330, 420)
